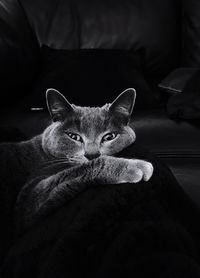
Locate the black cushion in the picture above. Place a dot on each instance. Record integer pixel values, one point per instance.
(111, 24)
(90, 77)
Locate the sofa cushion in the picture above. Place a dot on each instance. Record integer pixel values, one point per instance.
(167, 137)
(90, 77)
(125, 24)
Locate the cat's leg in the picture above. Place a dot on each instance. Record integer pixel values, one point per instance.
(42, 195)
(122, 170)
(103, 170)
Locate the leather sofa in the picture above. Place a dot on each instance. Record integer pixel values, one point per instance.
(158, 27)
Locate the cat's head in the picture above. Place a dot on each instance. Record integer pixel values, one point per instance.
(85, 133)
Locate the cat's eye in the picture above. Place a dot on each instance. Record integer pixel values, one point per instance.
(75, 136)
(109, 136)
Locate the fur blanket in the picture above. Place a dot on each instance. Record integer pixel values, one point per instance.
(149, 229)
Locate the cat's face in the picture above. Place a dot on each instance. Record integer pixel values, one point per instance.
(82, 133)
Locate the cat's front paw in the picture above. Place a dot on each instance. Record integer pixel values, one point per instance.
(138, 170)
(146, 169)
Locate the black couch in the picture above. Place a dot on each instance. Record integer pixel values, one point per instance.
(163, 33)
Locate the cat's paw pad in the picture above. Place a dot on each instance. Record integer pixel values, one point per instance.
(140, 169)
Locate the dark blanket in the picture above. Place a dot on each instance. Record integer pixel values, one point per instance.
(149, 229)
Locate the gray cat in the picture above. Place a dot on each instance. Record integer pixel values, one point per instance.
(83, 140)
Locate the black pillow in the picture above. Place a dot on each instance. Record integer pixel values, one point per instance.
(90, 77)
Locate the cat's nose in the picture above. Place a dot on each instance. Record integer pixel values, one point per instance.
(91, 156)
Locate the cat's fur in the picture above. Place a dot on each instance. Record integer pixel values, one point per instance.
(87, 158)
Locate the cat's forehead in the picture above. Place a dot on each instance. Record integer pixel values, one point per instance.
(92, 117)
(92, 112)
(86, 118)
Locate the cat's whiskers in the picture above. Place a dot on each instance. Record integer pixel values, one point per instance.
(55, 161)
(67, 160)
(79, 159)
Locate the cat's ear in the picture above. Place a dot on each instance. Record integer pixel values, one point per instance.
(58, 105)
(124, 103)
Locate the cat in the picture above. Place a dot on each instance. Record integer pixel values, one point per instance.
(84, 141)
